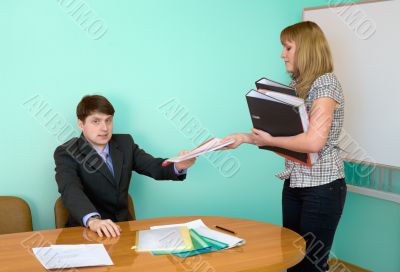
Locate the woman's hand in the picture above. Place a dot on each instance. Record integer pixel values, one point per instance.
(262, 138)
(239, 138)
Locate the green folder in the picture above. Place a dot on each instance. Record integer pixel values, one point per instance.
(206, 245)
(200, 243)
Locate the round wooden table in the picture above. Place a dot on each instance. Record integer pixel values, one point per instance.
(268, 248)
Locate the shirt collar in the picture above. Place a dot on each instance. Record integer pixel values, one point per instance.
(105, 152)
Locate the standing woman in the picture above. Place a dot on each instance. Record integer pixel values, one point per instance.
(313, 197)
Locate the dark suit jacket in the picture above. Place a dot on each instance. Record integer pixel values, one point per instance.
(86, 184)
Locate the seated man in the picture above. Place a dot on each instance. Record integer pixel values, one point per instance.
(93, 172)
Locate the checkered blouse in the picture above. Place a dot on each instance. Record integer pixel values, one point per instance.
(329, 166)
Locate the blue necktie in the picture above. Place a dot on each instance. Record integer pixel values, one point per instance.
(108, 162)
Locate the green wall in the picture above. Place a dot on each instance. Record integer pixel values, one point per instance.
(152, 59)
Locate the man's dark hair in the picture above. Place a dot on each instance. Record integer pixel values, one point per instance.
(91, 104)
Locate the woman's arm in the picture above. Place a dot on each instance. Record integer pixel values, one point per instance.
(309, 142)
(239, 138)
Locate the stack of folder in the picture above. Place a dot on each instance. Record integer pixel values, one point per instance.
(276, 109)
(184, 240)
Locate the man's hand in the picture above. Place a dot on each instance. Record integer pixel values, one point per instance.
(106, 227)
(180, 166)
(92, 236)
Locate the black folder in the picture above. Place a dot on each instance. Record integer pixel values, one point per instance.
(278, 118)
(268, 84)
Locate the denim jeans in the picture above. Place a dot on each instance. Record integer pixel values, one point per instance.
(314, 213)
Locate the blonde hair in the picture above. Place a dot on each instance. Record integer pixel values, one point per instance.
(312, 57)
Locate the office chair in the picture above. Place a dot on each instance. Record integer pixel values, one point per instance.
(61, 213)
(15, 215)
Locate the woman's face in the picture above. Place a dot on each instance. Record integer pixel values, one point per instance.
(288, 55)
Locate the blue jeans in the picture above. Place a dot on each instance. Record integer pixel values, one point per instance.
(314, 213)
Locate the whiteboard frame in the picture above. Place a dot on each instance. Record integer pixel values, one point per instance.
(342, 5)
(374, 193)
(391, 167)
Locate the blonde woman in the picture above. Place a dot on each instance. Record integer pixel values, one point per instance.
(313, 197)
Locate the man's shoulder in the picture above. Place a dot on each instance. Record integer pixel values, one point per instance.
(68, 144)
(70, 148)
(121, 138)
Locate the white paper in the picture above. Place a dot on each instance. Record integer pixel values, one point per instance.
(190, 225)
(201, 228)
(210, 145)
(67, 256)
(161, 239)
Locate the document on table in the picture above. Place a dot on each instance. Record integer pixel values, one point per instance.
(201, 228)
(173, 239)
(67, 256)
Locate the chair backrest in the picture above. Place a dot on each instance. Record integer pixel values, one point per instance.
(131, 208)
(61, 213)
(15, 215)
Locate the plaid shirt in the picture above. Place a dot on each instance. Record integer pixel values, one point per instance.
(329, 166)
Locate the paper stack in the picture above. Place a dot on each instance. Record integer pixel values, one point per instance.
(208, 146)
(184, 240)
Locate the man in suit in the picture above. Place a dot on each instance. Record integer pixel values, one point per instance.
(93, 172)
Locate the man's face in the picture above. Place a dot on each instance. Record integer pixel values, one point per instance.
(97, 129)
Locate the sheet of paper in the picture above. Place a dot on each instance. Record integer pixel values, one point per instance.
(67, 256)
(175, 238)
(190, 225)
(200, 245)
(199, 226)
(210, 145)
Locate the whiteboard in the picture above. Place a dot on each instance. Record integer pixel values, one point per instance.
(365, 41)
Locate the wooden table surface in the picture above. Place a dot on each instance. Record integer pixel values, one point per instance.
(268, 248)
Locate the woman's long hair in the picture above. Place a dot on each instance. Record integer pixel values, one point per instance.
(312, 57)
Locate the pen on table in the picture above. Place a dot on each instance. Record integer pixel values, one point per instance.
(225, 229)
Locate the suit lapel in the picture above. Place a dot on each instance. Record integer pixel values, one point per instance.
(117, 160)
(93, 160)
(105, 171)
